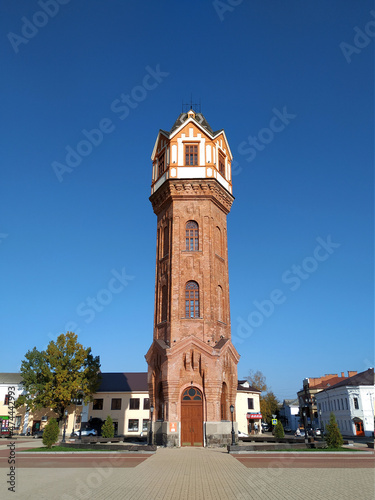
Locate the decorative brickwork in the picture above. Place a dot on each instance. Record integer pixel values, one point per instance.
(192, 335)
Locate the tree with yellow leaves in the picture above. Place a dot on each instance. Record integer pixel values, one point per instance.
(64, 372)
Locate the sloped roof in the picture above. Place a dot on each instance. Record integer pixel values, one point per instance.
(246, 389)
(290, 402)
(11, 378)
(123, 382)
(199, 118)
(329, 383)
(363, 378)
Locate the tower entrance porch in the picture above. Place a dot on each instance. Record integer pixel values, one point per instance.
(192, 417)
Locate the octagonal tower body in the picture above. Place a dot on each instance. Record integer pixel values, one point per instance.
(192, 363)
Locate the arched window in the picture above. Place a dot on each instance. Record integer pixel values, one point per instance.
(192, 236)
(192, 300)
(192, 394)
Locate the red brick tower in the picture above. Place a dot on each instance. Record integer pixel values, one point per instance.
(192, 363)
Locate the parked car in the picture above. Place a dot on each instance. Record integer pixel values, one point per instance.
(242, 435)
(86, 432)
(317, 432)
(287, 429)
(265, 427)
(38, 434)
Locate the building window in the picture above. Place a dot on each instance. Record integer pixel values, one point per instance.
(220, 303)
(166, 241)
(192, 300)
(6, 399)
(146, 404)
(17, 423)
(134, 404)
(145, 422)
(250, 403)
(346, 403)
(116, 404)
(97, 404)
(192, 236)
(164, 302)
(221, 164)
(356, 405)
(218, 242)
(160, 165)
(191, 154)
(133, 425)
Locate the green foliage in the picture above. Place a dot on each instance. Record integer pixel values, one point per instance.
(269, 405)
(333, 435)
(53, 378)
(107, 428)
(51, 433)
(279, 430)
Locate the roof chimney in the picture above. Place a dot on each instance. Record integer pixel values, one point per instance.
(342, 374)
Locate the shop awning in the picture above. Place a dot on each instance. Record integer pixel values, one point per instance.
(254, 415)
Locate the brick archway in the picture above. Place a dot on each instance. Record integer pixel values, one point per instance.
(192, 417)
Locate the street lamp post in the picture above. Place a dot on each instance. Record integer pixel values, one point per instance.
(305, 423)
(150, 435)
(65, 415)
(321, 424)
(232, 411)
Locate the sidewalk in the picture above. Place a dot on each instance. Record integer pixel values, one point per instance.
(193, 474)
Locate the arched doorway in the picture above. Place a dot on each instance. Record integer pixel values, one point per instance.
(192, 417)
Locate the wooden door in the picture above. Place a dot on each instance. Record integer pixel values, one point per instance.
(192, 418)
(359, 428)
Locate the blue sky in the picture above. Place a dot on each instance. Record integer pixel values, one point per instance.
(300, 233)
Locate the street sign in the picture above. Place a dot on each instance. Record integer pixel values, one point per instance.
(274, 421)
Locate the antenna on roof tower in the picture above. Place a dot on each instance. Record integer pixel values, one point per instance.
(186, 107)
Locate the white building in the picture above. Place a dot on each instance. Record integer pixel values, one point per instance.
(248, 415)
(352, 402)
(289, 414)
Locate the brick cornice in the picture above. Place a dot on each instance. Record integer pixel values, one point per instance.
(173, 189)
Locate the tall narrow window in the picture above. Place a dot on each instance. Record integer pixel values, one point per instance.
(192, 300)
(192, 236)
(191, 155)
(224, 402)
(220, 304)
(166, 241)
(221, 164)
(160, 165)
(164, 302)
(218, 241)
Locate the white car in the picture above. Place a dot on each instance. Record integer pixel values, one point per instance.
(242, 435)
(87, 432)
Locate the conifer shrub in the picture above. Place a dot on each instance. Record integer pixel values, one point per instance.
(333, 435)
(279, 430)
(51, 433)
(107, 428)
